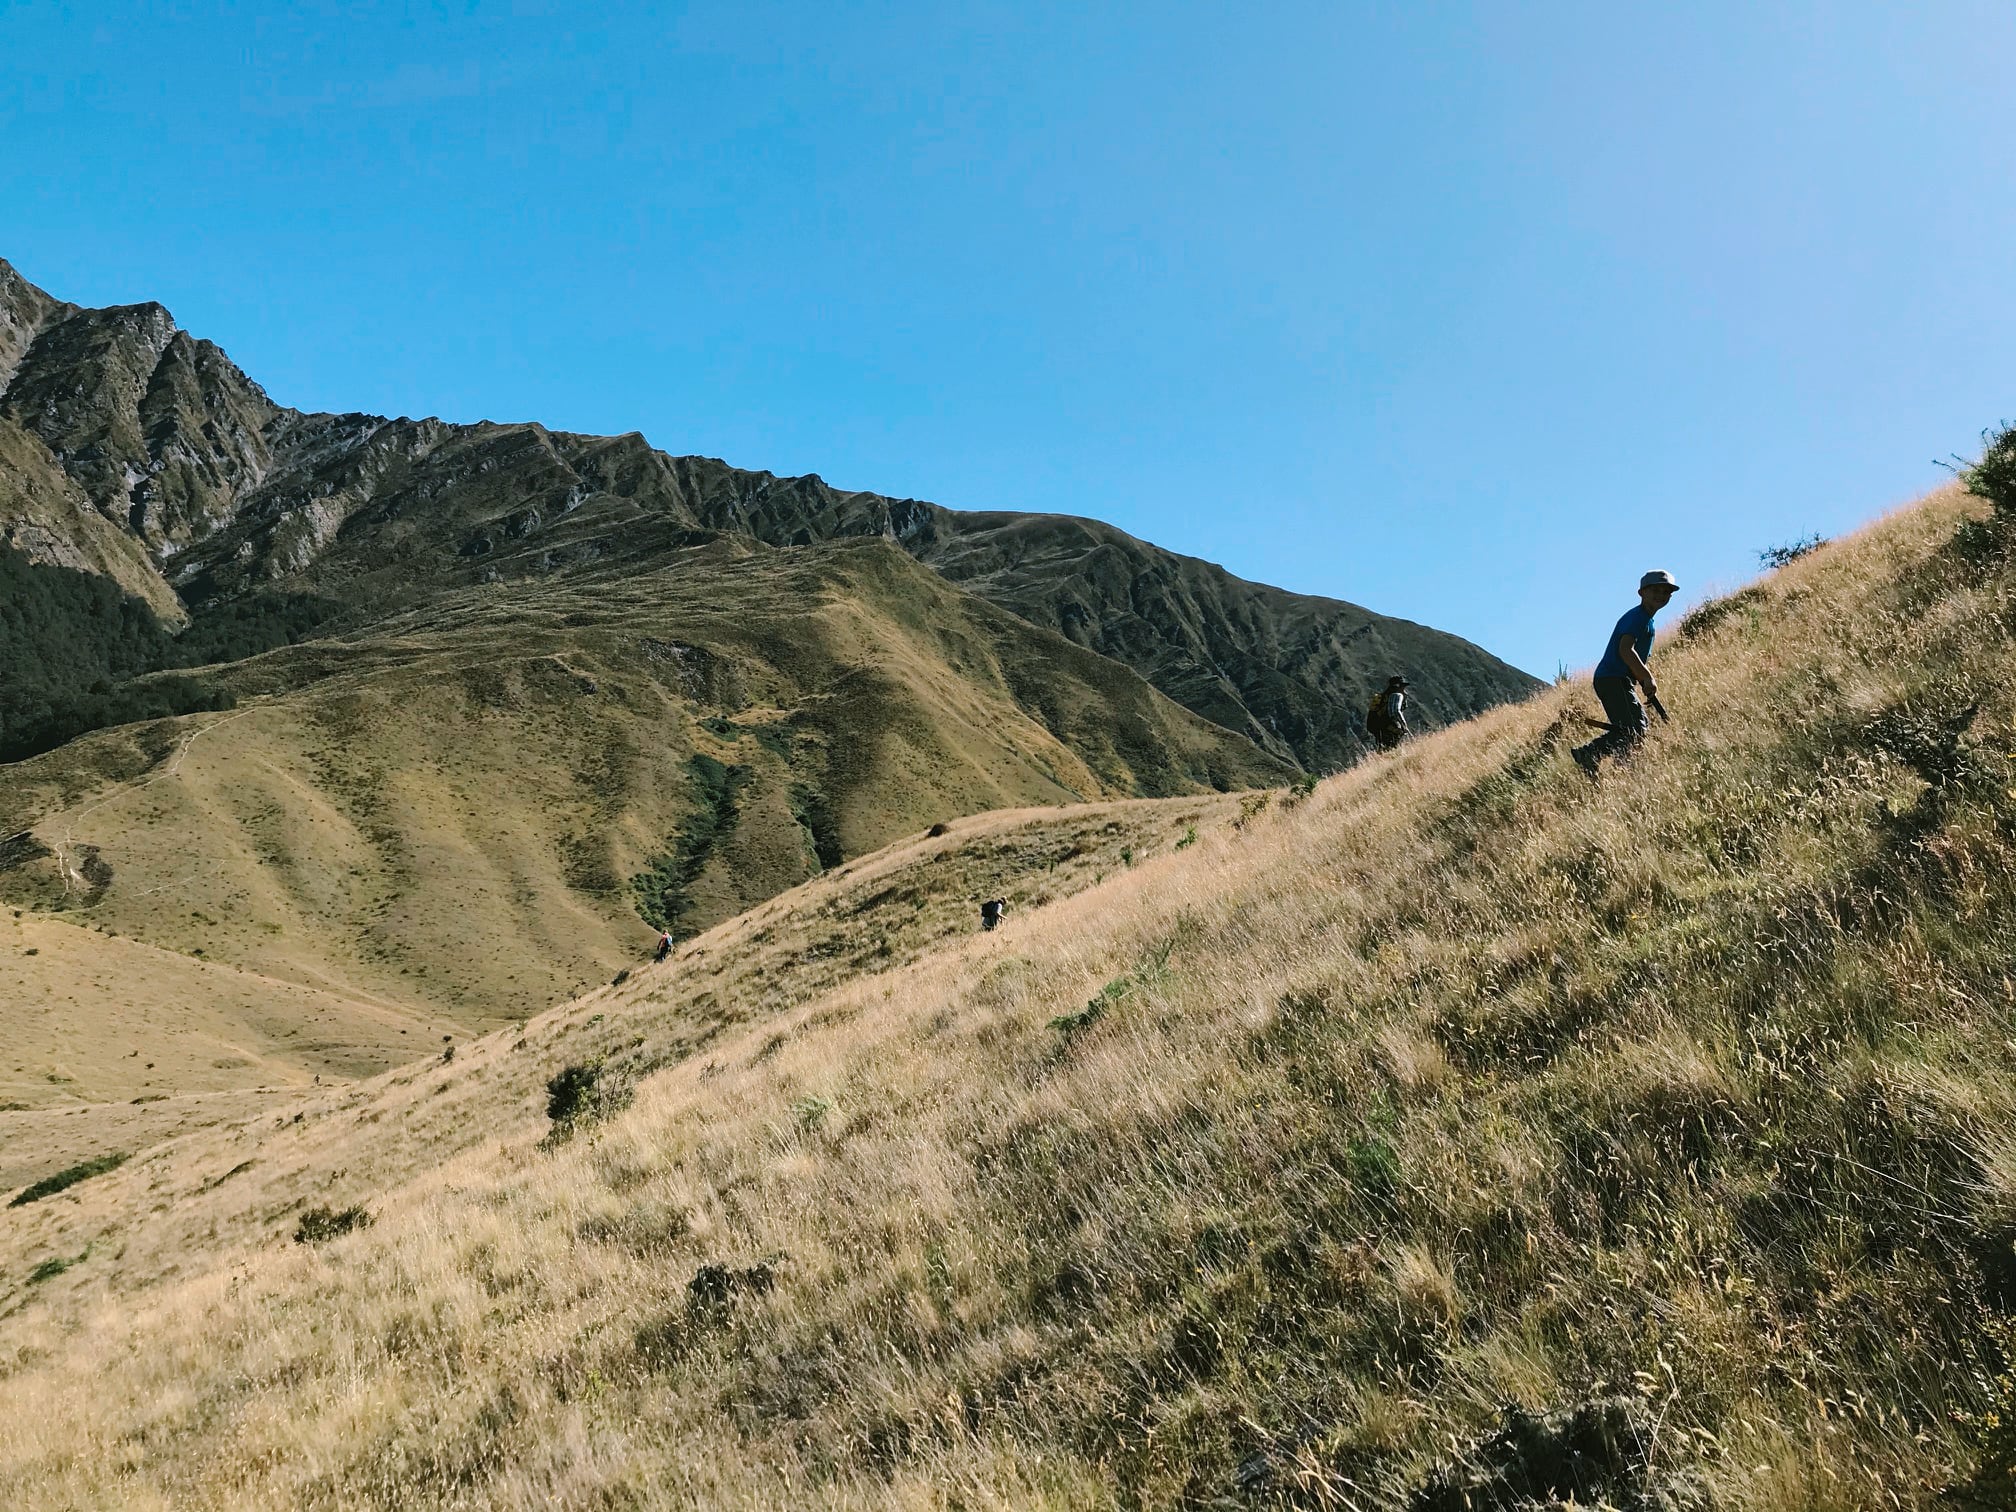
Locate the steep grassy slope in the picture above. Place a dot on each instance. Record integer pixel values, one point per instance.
(461, 813)
(874, 914)
(1462, 1135)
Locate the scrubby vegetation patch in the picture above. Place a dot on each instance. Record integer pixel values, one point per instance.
(53, 1267)
(320, 1224)
(64, 1179)
(664, 889)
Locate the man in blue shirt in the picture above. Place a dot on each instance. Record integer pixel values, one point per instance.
(1626, 660)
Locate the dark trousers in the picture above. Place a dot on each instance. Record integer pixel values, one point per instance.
(1627, 718)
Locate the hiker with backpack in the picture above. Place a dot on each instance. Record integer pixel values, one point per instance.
(664, 946)
(1386, 719)
(991, 911)
(1627, 660)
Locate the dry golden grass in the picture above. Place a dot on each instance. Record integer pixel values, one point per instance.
(875, 913)
(86, 1013)
(1272, 1170)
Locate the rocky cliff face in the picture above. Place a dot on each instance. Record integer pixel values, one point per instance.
(160, 431)
(128, 446)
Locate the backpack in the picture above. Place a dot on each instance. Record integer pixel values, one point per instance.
(1378, 717)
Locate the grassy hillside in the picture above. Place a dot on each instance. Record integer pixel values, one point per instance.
(468, 812)
(94, 1018)
(1462, 1135)
(874, 914)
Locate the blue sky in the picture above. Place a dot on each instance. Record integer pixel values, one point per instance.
(1465, 312)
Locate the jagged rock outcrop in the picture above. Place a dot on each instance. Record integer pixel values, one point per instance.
(24, 310)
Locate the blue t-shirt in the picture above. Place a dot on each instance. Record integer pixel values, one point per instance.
(1637, 623)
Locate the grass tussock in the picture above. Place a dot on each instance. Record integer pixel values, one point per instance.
(1457, 1135)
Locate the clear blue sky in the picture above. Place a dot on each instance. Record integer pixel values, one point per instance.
(1465, 312)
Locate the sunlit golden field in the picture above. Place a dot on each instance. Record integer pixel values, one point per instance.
(1374, 1148)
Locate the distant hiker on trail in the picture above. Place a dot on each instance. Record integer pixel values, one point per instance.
(1626, 660)
(991, 911)
(664, 947)
(1386, 720)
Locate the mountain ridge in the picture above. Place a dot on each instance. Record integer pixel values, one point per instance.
(213, 492)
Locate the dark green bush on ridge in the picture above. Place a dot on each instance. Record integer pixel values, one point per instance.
(1993, 476)
(1774, 557)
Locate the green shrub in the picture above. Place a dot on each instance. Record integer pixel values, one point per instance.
(569, 1093)
(51, 1268)
(1993, 475)
(320, 1224)
(585, 1094)
(1094, 1010)
(49, 1186)
(1773, 557)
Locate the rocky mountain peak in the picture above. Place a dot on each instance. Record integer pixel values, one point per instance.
(24, 310)
(161, 432)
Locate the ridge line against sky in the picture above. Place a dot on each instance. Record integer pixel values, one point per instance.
(1463, 315)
